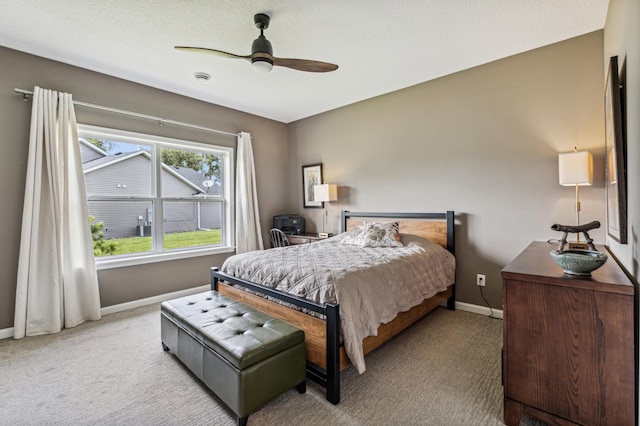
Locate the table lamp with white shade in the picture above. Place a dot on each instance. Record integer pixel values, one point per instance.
(576, 169)
(326, 192)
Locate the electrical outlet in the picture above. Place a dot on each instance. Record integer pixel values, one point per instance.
(480, 280)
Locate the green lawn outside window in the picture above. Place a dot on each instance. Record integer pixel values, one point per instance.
(171, 241)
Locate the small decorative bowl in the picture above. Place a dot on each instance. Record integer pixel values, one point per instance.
(578, 262)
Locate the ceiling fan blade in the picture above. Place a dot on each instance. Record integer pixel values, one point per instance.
(304, 65)
(211, 52)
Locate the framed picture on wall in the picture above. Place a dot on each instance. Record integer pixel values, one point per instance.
(616, 162)
(311, 176)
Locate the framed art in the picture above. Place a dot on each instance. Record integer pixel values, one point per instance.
(615, 151)
(311, 176)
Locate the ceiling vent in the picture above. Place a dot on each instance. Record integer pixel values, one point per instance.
(202, 77)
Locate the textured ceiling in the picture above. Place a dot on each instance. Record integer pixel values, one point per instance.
(380, 45)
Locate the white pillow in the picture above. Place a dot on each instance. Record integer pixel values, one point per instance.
(355, 236)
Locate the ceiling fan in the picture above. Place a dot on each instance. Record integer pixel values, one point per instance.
(262, 58)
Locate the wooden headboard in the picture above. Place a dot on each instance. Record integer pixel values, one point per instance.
(437, 227)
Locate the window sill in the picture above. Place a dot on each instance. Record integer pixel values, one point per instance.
(142, 259)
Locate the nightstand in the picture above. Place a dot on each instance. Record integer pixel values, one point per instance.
(303, 238)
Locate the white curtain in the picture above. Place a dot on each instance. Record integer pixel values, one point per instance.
(57, 280)
(248, 230)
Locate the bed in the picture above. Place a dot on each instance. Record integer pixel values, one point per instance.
(328, 337)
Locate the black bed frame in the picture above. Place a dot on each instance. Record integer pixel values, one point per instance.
(330, 378)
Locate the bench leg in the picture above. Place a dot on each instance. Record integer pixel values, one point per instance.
(242, 421)
(302, 387)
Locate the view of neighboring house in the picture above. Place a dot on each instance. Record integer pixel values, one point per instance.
(128, 174)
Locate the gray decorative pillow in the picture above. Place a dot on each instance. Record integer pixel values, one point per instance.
(381, 234)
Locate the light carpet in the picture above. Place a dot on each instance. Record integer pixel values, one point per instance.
(444, 370)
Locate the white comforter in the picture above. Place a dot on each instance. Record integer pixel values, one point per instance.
(371, 285)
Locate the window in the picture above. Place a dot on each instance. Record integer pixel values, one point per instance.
(152, 198)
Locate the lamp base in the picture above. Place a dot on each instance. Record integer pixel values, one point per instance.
(577, 245)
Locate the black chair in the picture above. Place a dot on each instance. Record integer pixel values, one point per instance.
(278, 238)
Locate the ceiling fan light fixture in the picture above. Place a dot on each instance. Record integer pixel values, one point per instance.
(262, 65)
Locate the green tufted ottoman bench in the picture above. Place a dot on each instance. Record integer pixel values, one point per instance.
(243, 355)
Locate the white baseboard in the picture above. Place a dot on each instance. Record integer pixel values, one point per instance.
(151, 300)
(8, 332)
(481, 310)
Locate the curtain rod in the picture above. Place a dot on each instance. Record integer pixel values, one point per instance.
(26, 93)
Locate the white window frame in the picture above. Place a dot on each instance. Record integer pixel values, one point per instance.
(159, 255)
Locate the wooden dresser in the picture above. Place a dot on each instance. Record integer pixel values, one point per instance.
(568, 354)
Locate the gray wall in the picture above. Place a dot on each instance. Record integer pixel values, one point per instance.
(483, 142)
(622, 39)
(121, 285)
